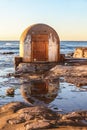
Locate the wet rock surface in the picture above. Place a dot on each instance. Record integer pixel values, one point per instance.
(74, 119)
(77, 81)
(75, 74)
(34, 67)
(12, 107)
(37, 117)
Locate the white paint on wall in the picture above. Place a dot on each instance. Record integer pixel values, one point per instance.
(21, 50)
(27, 47)
(52, 49)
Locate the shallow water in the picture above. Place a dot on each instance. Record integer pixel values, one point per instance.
(59, 96)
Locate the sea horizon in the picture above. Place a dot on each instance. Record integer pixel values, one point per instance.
(60, 40)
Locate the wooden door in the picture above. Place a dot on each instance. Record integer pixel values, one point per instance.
(39, 47)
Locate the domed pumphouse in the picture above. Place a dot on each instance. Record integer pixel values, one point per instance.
(39, 44)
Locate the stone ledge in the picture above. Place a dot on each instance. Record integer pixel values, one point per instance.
(34, 67)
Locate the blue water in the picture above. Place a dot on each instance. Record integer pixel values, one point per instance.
(68, 98)
(69, 46)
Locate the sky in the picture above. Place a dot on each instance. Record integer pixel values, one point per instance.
(67, 17)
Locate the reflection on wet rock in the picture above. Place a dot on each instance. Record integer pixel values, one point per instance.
(39, 92)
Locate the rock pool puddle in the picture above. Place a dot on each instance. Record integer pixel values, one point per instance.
(58, 95)
(39, 92)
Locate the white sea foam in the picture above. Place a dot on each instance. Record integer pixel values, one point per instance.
(8, 44)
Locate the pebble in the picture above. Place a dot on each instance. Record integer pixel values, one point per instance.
(10, 92)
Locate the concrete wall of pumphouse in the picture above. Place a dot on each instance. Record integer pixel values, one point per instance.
(39, 49)
(45, 42)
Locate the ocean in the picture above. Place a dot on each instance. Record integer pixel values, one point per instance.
(68, 98)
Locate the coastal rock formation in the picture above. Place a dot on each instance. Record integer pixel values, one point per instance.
(67, 70)
(80, 52)
(77, 81)
(17, 115)
(72, 74)
(75, 74)
(34, 67)
(12, 107)
(20, 116)
(74, 119)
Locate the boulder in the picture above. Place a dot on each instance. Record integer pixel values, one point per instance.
(80, 52)
(10, 92)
